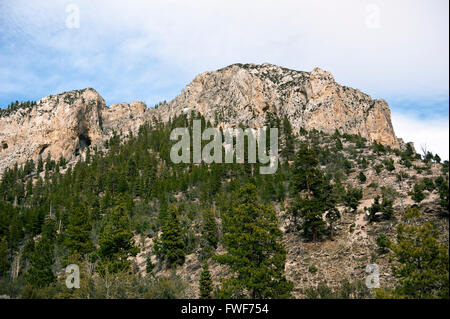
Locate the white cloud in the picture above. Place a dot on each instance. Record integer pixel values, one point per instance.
(407, 54)
(433, 133)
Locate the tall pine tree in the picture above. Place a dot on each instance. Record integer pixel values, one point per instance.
(254, 250)
(205, 282)
(172, 240)
(116, 239)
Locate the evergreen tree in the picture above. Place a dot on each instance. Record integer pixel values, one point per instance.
(375, 208)
(254, 252)
(311, 211)
(309, 179)
(78, 232)
(40, 273)
(206, 287)
(362, 177)
(149, 266)
(417, 195)
(437, 158)
(388, 210)
(116, 239)
(421, 264)
(4, 260)
(339, 146)
(40, 165)
(352, 197)
(172, 240)
(306, 174)
(409, 150)
(288, 149)
(210, 232)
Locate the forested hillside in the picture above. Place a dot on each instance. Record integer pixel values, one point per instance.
(140, 226)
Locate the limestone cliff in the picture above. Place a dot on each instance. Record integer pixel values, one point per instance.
(65, 124)
(243, 94)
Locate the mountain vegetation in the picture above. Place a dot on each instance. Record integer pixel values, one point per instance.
(140, 226)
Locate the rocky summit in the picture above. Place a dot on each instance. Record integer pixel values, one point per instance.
(240, 94)
(245, 93)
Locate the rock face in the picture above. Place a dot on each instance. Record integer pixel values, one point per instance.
(244, 94)
(65, 124)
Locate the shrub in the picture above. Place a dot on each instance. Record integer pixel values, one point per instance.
(362, 178)
(383, 243)
(312, 269)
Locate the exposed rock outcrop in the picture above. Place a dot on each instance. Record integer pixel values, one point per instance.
(244, 94)
(65, 124)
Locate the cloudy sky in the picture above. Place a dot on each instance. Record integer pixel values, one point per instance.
(149, 50)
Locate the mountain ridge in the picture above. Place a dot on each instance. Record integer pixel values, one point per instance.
(64, 124)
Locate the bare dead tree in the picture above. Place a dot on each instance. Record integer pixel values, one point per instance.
(424, 149)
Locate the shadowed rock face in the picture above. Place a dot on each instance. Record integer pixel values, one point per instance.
(67, 123)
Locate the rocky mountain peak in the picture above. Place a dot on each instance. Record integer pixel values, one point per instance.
(246, 93)
(65, 124)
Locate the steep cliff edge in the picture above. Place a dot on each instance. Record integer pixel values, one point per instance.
(63, 125)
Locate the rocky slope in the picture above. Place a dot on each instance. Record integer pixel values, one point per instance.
(64, 124)
(354, 245)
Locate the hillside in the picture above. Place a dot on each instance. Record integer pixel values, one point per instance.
(94, 185)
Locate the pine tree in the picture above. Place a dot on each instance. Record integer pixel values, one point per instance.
(40, 165)
(209, 230)
(172, 240)
(421, 264)
(443, 194)
(362, 177)
(149, 266)
(288, 149)
(116, 239)
(206, 287)
(311, 211)
(308, 178)
(254, 252)
(40, 273)
(375, 208)
(388, 210)
(78, 232)
(4, 260)
(339, 146)
(437, 158)
(352, 197)
(306, 174)
(417, 195)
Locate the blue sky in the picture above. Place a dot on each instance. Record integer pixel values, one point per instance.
(149, 50)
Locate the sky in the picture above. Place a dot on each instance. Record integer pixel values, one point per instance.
(149, 50)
